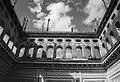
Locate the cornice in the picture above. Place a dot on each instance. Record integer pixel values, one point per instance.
(111, 51)
(62, 66)
(113, 58)
(60, 34)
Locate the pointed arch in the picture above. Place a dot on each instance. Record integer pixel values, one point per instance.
(59, 52)
(22, 51)
(108, 44)
(40, 52)
(50, 51)
(68, 51)
(104, 50)
(31, 52)
(10, 44)
(14, 49)
(96, 52)
(78, 52)
(6, 38)
(87, 51)
(117, 25)
(113, 38)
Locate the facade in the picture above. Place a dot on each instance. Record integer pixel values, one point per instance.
(59, 57)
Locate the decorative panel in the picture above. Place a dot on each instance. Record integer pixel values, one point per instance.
(93, 80)
(59, 80)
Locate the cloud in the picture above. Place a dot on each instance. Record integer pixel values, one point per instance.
(38, 1)
(38, 24)
(37, 10)
(64, 24)
(94, 9)
(59, 20)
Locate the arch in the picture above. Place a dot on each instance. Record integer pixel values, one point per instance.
(1, 30)
(78, 52)
(86, 40)
(6, 38)
(68, 51)
(50, 40)
(50, 46)
(87, 51)
(117, 24)
(114, 40)
(50, 51)
(78, 40)
(22, 51)
(10, 44)
(118, 7)
(104, 32)
(104, 50)
(103, 45)
(95, 40)
(40, 52)
(118, 31)
(59, 40)
(14, 49)
(31, 52)
(108, 25)
(59, 52)
(68, 47)
(108, 43)
(68, 40)
(113, 16)
(96, 52)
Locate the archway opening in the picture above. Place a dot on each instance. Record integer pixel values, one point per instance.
(21, 53)
(87, 52)
(68, 52)
(50, 52)
(59, 52)
(40, 52)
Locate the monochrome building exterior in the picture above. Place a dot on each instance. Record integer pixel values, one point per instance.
(59, 57)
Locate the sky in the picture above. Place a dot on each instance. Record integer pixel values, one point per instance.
(61, 15)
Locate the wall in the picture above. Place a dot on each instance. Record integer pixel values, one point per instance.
(24, 75)
(113, 73)
(5, 65)
(48, 75)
